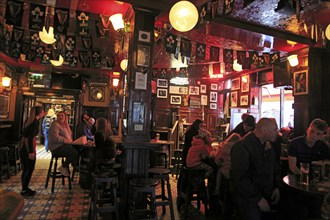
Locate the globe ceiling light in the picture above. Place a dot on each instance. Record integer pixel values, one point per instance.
(117, 21)
(124, 64)
(293, 60)
(183, 16)
(6, 81)
(58, 62)
(47, 37)
(236, 66)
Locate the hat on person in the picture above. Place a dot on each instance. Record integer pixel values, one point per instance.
(249, 121)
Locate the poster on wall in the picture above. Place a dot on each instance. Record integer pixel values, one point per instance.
(182, 90)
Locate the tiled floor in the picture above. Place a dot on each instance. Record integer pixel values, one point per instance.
(71, 204)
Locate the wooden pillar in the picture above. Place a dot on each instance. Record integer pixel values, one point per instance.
(138, 103)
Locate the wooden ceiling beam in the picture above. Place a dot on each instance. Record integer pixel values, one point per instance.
(263, 30)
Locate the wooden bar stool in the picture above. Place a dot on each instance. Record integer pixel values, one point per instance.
(104, 195)
(162, 174)
(177, 162)
(4, 162)
(142, 191)
(56, 174)
(192, 187)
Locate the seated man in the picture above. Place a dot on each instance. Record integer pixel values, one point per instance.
(308, 148)
(247, 125)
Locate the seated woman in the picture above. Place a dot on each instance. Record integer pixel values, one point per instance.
(200, 150)
(60, 140)
(105, 149)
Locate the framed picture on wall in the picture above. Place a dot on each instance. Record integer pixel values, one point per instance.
(162, 93)
(175, 99)
(213, 96)
(213, 105)
(235, 84)
(244, 100)
(162, 83)
(193, 90)
(143, 55)
(214, 86)
(203, 99)
(233, 99)
(245, 83)
(141, 81)
(203, 88)
(182, 90)
(144, 36)
(300, 82)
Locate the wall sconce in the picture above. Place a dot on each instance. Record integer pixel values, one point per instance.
(6, 81)
(57, 62)
(124, 64)
(115, 82)
(47, 37)
(117, 21)
(183, 16)
(293, 60)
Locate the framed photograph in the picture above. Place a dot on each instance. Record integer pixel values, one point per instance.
(138, 112)
(233, 99)
(244, 100)
(144, 36)
(245, 83)
(214, 86)
(203, 99)
(300, 82)
(141, 81)
(195, 102)
(193, 90)
(235, 84)
(182, 90)
(213, 96)
(175, 99)
(213, 105)
(162, 93)
(143, 55)
(162, 83)
(97, 93)
(203, 88)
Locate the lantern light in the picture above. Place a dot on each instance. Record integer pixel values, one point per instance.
(117, 21)
(183, 16)
(115, 82)
(124, 64)
(58, 62)
(6, 81)
(293, 60)
(47, 37)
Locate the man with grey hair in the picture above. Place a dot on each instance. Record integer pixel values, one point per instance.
(254, 171)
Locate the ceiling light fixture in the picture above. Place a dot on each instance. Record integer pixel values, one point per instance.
(58, 62)
(293, 60)
(236, 66)
(47, 37)
(183, 16)
(117, 21)
(124, 64)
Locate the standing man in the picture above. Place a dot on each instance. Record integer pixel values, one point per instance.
(308, 148)
(254, 171)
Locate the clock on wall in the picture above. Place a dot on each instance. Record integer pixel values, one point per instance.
(97, 93)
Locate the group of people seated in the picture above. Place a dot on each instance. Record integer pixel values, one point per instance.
(247, 164)
(60, 139)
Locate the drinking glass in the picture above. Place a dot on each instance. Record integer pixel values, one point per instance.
(304, 173)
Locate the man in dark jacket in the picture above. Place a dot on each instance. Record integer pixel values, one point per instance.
(254, 171)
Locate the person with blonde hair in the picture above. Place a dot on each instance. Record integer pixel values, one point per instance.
(60, 140)
(28, 148)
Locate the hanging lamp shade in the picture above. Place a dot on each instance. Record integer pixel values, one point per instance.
(47, 37)
(183, 16)
(293, 60)
(117, 21)
(58, 62)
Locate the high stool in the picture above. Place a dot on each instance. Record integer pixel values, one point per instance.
(177, 162)
(56, 174)
(14, 157)
(4, 162)
(139, 205)
(162, 154)
(162, 174)
(192, 187)
(104, 195)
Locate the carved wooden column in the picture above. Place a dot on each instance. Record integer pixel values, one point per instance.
(138, 103)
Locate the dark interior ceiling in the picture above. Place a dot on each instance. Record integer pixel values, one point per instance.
(257, 26)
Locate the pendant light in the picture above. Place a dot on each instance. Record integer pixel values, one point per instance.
(183, 16)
